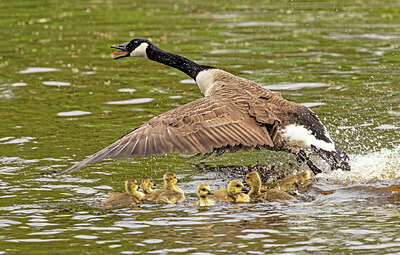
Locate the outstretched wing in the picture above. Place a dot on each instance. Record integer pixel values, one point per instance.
(200, 126)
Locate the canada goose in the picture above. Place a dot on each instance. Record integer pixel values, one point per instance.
(235, 113)
(203, 192)
(131, 197)
(170, 181)
(147, 184)
(233, 193)
(295, 181)
(272, 195)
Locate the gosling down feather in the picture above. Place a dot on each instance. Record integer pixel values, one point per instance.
(235, 113)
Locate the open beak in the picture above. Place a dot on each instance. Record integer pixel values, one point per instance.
(121, 50)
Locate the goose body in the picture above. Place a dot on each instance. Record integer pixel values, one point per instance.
(235, 113)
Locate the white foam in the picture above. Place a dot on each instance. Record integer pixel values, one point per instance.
(384, 164)
(131, 101)
(294, 86)
(38, 70)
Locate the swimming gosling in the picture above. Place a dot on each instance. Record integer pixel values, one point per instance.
(295, 181)
(271, 195)
(233, 193)
(203, 192)
(147, 184)
(170, 194)
(131, 197)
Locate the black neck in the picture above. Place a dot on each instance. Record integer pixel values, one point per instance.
(185, 65)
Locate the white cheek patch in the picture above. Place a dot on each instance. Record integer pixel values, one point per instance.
(140, 51)
(205, 80)
(299, 136)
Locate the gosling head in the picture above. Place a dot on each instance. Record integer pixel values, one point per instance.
(135, 48)
(203, 190)
(170, 178)
(235, 187)
(131, 186)
(253, 179)
(147, 184)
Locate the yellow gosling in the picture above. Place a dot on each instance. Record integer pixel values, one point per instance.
(203, 192)
(233, 193)
(162, 196)
(296, 181)
(170, 197)
(272, 195)
(276, 195)
(131, 197)
(147, 184)
(253, 179)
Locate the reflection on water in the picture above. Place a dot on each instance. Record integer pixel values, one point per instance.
(38, 70)
(343, 61)
(132, 101)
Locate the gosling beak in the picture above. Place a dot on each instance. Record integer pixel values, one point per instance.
(210, 193)
(121, 50)
(246, 186)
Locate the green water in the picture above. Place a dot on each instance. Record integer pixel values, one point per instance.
(342, 56)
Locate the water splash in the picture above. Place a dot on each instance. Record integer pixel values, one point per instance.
(381, 165)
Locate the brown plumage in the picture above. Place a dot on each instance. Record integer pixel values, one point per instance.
(234, 114)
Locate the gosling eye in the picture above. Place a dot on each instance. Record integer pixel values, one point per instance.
(238, 186)
(203, 189)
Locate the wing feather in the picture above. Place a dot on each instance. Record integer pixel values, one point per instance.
(202, 126)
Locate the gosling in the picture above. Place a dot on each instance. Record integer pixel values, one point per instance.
(147, 184)
(170, 194)
(233, 193)
(203, 192)
(271, 195)
(296, 181)
(131, 197)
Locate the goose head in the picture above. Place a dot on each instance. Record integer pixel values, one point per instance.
(147, 184)
(135, 48)
(203, 190)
